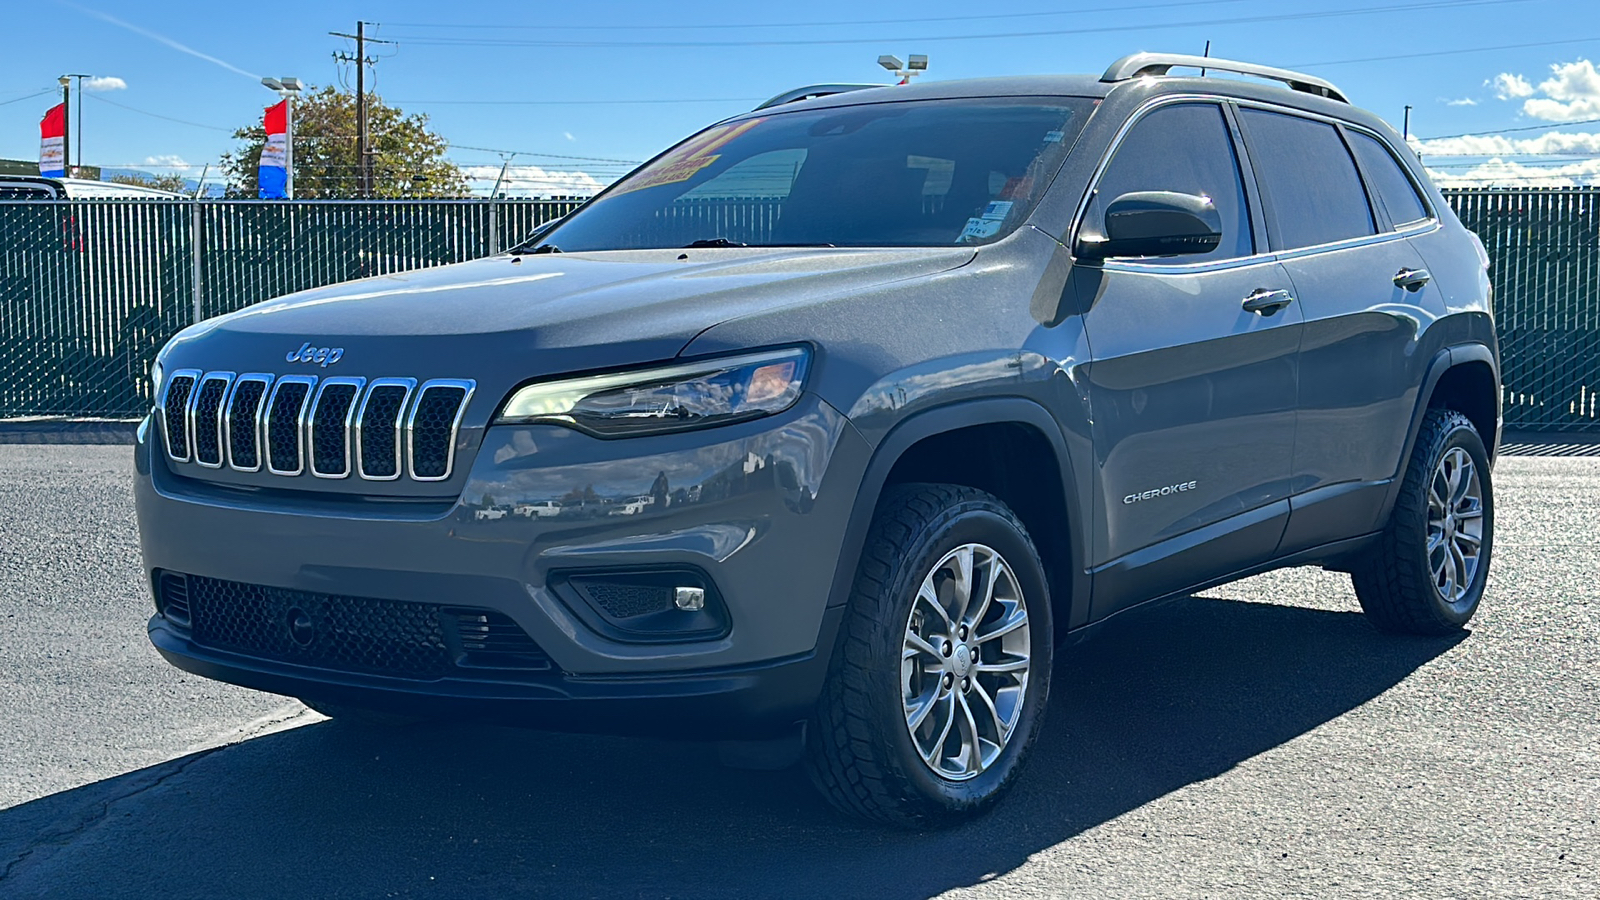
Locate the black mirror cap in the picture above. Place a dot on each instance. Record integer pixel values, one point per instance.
(1154, 223)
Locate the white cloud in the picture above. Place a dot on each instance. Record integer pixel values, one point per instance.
(1508, 86)
(1509, 173)
(1573, 92)
(1464, 101)
(167, 161)
(105, 83)
(533, 181)
(568, 135)
(1554, 142)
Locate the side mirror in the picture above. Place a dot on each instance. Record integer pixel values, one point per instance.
(1154, 223)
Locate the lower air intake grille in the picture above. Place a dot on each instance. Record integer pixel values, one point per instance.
(175, 598)
(402, 639)
(625, 601)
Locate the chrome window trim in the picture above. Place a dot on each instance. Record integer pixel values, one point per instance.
(410, 384)
(166, 432)
(310, 381)
(192, 411)
(256, 422)
(349, 419)
(455, 426)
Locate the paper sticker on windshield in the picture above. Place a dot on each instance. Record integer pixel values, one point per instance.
(687, 160)
(978, 229)
(1053, 137)
(996, 210)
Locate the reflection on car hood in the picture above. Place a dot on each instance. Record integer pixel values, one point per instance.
(584, 309)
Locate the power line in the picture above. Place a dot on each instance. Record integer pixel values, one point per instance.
(735, 25)
(30, 96)
(1445, 137)
(1367, 59)
(1103, 29)
(145, 112)
(631, 162)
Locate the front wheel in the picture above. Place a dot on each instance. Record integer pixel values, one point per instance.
(1428, 571)
(937, 689)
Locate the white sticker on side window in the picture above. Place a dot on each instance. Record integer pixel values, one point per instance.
(981, 228)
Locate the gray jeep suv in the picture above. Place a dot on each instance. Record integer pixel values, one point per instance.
(816, 434)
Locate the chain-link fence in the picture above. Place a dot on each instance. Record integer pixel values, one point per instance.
(90, 290)
(1544, 252)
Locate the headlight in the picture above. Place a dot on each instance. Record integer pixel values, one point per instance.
(156, 373)
(673, 398)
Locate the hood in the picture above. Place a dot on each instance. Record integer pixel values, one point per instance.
(549, 313)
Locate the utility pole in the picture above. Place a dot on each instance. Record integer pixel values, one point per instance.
(363, 153)
(1405, 130)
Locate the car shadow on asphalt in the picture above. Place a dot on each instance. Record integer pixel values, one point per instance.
(1160, 699)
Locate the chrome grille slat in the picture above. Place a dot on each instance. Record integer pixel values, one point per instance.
(383, 429)
(432, 426)
(175, 412)
(284, 424)
(380, 428)
(241, 424)
(205, 418)
(328, 426)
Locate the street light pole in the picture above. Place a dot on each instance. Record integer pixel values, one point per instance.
(65, 159)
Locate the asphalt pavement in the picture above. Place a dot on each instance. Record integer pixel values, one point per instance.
(1260, 740)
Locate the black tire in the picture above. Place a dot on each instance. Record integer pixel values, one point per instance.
(860, 750)
(1396, 583)
(345, 714)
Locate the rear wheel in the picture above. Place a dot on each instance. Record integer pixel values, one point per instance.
(1429, 569)
(936, 691)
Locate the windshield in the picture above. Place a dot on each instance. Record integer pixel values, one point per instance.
(913, 174)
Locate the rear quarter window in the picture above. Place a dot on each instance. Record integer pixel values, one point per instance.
(1390, 185)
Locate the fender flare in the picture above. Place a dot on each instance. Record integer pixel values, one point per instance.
(952, 417)
(1443, 361)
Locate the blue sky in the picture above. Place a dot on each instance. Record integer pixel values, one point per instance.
(608, 81)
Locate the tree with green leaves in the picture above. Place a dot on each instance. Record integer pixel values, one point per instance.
(408, 160)
(170, 182)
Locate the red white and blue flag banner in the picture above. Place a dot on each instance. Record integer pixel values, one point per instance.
(273, 174)
(52, 142)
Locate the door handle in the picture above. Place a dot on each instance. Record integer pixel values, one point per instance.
(1264, 302)
(1412, 279)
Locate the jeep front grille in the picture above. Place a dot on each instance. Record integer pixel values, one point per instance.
(331, 428)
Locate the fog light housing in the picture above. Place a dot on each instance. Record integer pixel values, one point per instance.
(689, 599)
(643, 606)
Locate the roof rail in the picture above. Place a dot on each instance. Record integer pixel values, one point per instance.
(1137, 64)
(813, 90)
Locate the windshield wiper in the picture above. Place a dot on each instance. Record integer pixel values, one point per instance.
(713, 242)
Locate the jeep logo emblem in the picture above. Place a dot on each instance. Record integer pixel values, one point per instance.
(323, 356)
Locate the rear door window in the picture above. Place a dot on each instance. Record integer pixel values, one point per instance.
(1187, 148)
(1308, 180)
(1390, 186)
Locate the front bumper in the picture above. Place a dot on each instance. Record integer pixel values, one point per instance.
(760, 508)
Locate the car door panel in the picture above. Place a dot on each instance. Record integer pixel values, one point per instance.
(1194, 421)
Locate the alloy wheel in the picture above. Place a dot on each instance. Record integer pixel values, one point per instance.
(964, 663)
